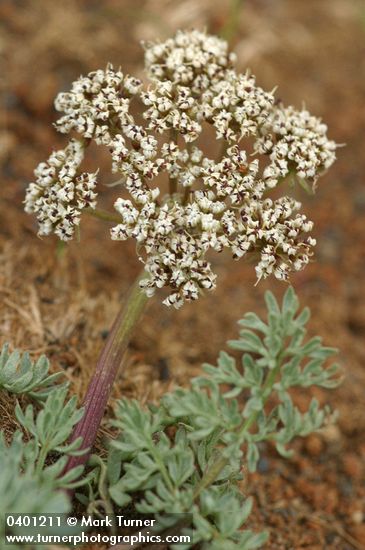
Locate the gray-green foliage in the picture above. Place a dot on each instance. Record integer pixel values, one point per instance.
(167, 472)
(31, 472)
(185, 455)
(20, 375)
(23, 489)
(53, 424)
(217, 424)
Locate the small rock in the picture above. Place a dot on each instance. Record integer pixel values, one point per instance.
(352, 465)
(314, 445)
(357, 517)
(263, 465)
(331, 433)
(346, 487)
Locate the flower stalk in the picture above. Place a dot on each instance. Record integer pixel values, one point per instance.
(103, 215)
(231, 26)
(108, 364)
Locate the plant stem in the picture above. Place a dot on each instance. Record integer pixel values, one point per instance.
(221, 462)
(103, 215)
(42, 458)
(156, 455)
(211, 474)
(95, 460)
(107, 367)
(231, 26)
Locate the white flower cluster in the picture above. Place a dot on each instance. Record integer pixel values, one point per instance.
(175, 256)
(212, 204)
(296, 141)
(236, 106)
(192, 59)
(58, 194)
(97, 104)
(173, 107)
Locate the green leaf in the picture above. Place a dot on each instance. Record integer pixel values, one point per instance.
(248, 341)
(250, 541)
(19, 375)
(290, 303)
(253, 374)
(253, 456)
(254, 404)
(226, 372)
(283, 451)
(53, 425)
(181, 465)
(303, 317)
(119, 496)
(253, 322)
(26, 488)
(272, 305)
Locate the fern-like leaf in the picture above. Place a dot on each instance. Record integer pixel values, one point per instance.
(20, 375)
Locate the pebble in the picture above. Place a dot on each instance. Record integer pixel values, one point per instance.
(352, 466)
(357, 517)
(263, 465)
(314, 445)
(331, 433)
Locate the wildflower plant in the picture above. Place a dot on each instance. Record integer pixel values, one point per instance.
(178, 202)
(188, 454)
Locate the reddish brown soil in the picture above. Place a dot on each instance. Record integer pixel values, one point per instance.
(62, 302)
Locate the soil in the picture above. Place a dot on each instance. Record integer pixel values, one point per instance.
(61, 301)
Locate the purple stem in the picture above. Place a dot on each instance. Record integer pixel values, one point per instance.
(101, 384)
